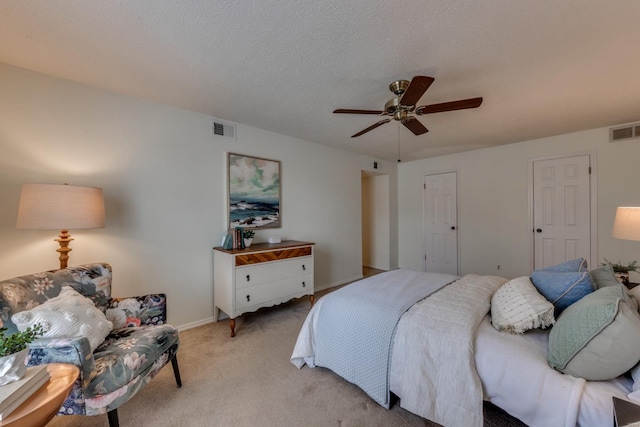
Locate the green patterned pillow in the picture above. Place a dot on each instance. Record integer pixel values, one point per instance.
(598, 337)
(603, 277)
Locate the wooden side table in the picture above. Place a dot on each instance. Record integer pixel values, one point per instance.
(44, 404)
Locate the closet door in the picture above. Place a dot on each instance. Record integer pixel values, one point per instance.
(561, 210)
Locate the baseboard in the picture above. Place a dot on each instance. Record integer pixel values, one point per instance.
(339, 283)
(208, 320)
(195, 324)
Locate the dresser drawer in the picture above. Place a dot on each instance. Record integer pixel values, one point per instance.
(266, 272)
(253, 295)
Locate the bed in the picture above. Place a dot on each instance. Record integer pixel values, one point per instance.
(444, 357)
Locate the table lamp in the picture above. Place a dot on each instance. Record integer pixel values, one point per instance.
(627, 223)
(60, 207)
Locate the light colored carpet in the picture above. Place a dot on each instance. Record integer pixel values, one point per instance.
(249, 381)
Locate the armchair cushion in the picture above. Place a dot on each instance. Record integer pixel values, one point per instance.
(67, 315)
(128, 353)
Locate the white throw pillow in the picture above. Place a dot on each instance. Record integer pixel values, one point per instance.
(517, 307)
(68, 315)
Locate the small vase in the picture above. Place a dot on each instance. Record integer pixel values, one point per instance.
(247, 242)
(12, 367)
(623, 278)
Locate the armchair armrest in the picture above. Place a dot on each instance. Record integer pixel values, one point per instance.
(75, 351)
(136, 311)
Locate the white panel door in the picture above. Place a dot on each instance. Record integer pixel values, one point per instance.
(561, 210)
(440, 223)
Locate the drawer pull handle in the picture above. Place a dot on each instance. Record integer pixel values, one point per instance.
(303, 267)
(303, 284)
(248, 278)
(248, 297)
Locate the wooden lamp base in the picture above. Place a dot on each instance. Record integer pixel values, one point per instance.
(64, 238)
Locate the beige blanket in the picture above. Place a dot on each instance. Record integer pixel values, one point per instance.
(433, 370)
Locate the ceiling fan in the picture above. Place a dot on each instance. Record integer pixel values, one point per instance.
(403, 106)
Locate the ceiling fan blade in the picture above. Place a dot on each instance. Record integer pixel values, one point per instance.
(414, 126)
(449, 106)
(417, 88)
(347, 111)
(372, 127)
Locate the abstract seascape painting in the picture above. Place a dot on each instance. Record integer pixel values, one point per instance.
(254, 192)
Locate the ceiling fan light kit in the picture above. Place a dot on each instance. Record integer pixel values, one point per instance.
(402, 107)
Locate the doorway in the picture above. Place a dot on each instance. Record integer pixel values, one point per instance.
(376, 222)
(440, 216)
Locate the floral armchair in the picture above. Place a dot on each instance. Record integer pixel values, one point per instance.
(135, 350)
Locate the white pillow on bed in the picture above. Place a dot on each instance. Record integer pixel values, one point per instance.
(517, 307)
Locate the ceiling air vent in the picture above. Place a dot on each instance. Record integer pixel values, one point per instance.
(623, 133)
(224, 129)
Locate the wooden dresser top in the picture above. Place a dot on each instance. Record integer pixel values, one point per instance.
(257, 247)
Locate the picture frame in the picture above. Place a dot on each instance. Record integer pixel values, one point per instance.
(254, 192)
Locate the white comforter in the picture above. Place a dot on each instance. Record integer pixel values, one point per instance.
(516, 377)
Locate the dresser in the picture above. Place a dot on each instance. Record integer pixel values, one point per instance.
(262, 275)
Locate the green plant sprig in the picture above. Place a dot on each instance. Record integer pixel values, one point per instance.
(18, 341)
(248, 234)
(618, 267)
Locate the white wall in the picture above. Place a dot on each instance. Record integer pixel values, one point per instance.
(493, 194)
(163, 175)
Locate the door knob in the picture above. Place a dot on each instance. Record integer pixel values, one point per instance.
(453, 227)
(538, 230)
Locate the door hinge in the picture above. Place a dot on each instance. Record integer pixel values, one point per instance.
(589, 170)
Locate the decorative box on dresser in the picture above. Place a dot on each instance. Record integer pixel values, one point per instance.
(262, 275)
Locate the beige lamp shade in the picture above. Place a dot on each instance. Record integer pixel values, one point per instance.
(60, 207)
(627, 223)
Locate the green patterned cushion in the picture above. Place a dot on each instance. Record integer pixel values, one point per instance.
(603, 277)
(598, 337)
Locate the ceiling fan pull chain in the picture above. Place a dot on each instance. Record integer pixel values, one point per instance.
(399, 143)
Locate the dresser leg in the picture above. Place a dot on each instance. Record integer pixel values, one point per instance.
(312, 298)
(232, 325)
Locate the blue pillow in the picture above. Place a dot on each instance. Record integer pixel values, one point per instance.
(579, 264)
(562, 289)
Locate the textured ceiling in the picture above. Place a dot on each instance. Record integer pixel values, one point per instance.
(544, 67)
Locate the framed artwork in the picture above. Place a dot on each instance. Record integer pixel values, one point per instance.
(254, 192)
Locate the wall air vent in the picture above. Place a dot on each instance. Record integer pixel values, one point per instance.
(224, 129)
(623, 133)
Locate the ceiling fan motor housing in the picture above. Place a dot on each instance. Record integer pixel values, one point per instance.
(396, 110)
